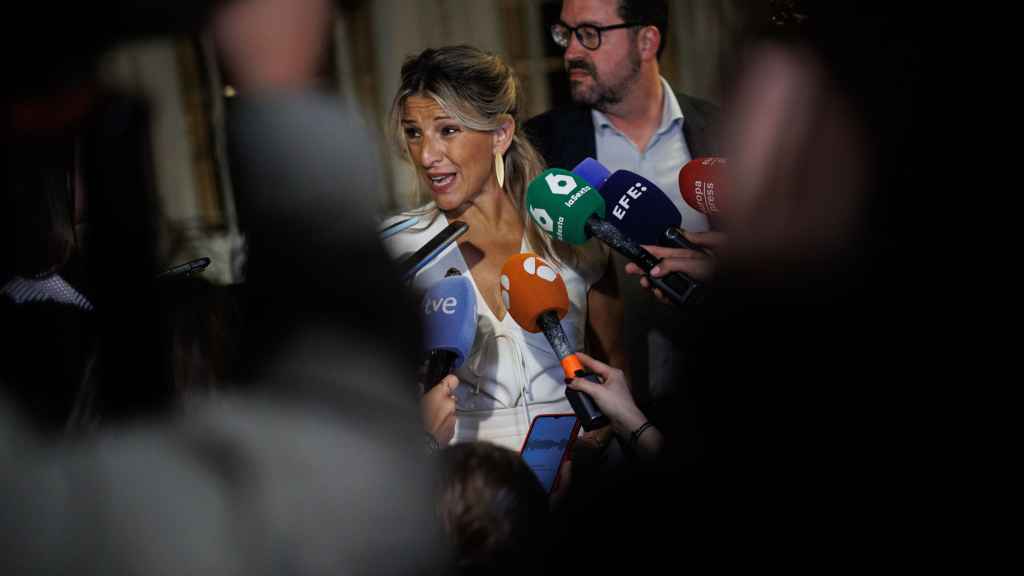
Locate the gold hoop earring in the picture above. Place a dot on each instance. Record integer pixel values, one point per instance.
(499, 169)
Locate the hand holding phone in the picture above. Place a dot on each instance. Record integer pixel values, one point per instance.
(547, 446)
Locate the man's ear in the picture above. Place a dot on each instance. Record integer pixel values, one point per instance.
(648, 41)
(502, 135)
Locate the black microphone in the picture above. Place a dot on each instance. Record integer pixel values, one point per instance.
(677, 287)
(184, 270)
(674, 235)
(432, 249)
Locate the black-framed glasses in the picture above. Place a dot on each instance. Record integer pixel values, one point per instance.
(588, 34)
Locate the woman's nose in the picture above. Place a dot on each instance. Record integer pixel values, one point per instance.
(430, 152)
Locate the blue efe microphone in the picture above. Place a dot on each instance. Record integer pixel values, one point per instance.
(638, 208)
(449, 321)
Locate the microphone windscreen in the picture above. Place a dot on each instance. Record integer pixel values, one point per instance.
(560, 203)
(703, 184)
(592, 171)
(449, 317)
(638, 208)
(531, 286)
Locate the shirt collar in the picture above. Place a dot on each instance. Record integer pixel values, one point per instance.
(670, 111)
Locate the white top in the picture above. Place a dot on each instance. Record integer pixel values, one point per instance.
(511, 375)
(660, 162)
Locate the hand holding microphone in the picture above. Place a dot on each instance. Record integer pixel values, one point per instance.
(449, 325)
(437, 408)
(614, 398)
(569, 209)
(535, 296)
(449, 322)
(641, 211)
(702, 265)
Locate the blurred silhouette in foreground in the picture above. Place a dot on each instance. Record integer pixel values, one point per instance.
(299, 477)
(810, 291)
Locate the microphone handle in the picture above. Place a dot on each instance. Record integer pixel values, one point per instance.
(439, 365)
(589, 414)
(679, 288)
(186, 269)
(674, 236)
(410, 266)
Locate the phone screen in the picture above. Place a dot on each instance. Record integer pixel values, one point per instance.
(546, 444)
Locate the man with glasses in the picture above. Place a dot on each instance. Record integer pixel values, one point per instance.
(628, 117)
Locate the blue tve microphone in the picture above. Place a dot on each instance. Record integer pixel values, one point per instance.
(449, 321)
(593, 172)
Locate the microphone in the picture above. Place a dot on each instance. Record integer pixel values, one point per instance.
(449, 322)
(397, 227)
(643, 212)
(570, 210)
(592, 171)
(535, 296)
(183, 270)
(704, 185)
(432, 249)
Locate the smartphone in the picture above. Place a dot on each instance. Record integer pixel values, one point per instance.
(547, 445)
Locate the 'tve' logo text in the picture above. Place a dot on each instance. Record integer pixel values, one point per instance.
(446, 305)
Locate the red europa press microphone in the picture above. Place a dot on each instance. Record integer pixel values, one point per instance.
(703, 183)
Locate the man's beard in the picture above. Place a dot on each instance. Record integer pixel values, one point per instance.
(599, 95)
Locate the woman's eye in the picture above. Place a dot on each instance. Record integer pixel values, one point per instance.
(411, 133)
(449, 130)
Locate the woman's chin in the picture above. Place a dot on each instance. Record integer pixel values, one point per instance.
(447, 202)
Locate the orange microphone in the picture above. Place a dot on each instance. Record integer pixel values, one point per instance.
(534, 294)
(704, 185)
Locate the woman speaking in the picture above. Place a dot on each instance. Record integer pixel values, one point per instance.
(455, 120)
